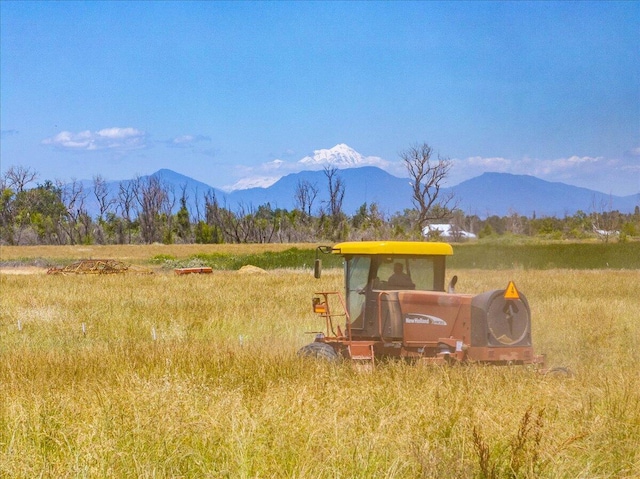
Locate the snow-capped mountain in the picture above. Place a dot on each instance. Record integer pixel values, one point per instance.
(253, 182)
(340, 156)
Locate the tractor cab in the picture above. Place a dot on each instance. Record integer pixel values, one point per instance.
(395, 305)
(376, 272)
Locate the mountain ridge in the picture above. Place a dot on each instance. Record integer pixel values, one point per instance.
(529, 195)
(491, 193)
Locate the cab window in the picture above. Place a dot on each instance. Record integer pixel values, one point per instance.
(356, 279)
(402, 273)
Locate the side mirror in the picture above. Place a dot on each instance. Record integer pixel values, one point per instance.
(317, 268)
(452, 284)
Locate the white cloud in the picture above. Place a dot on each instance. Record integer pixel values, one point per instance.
(253, 182)
(183, 139)
(118, 133)
(561, 168)
(634, 151)
(186, 141)
(275, 165)
(492, 164)
(583, 159)
(105, 139)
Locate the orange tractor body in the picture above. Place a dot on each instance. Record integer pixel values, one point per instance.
(395, 305)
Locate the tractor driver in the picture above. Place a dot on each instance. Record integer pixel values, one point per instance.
(399, 278)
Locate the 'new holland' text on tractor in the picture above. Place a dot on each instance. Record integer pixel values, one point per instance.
(395, 305)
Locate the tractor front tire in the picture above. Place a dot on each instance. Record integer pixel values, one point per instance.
(319, 351)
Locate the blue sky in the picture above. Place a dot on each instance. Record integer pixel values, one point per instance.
(229, 91)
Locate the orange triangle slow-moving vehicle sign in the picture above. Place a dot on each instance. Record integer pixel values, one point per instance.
(511, 292)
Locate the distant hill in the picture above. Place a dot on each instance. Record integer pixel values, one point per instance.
(366, 184)
(502, 194)
(489, 194)
(175, 182)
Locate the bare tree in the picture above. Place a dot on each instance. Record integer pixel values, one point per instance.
(101, 192)
(105, 202)
(333, 223)
(514, 222)
(427, 178)
(17, 177)
(152, 197)
(206, 230)
(126, 205)
(253, 226)
(223, 219)
(605, 220)
(305, 195)
(336, 191)
(457, 226)
(78, 225)
(166, 211)
(196, 216)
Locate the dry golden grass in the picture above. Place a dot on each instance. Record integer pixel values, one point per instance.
(196, 376)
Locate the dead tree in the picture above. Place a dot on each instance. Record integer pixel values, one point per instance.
(334, 224)
(105, 202)
(17, 177)
(101, 192)
(78, 220)
(336, 191)
(152, 196)
(304, 196)
(427, 177)
(606, 220)
(126, 204)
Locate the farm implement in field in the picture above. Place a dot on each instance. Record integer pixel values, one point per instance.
(98, 266)
(194, 270)
(395, 305)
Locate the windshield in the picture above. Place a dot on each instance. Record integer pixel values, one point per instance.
(364, 274)
(406, 272)
(356, 278)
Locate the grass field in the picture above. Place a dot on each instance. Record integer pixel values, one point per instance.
(196, 376)
(492, 254)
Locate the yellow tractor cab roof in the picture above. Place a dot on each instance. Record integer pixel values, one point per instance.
(392, 248)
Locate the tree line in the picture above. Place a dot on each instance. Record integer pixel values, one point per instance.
(145, 210)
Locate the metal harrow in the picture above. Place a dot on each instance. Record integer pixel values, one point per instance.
(97, 266)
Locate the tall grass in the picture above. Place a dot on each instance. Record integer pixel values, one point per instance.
(197, 376)
(547, 255)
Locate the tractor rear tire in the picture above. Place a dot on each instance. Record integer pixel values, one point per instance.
(319, 351)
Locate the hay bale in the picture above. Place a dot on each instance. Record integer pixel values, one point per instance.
(250, 269)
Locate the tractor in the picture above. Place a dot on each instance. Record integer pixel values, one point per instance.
(395, 305)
